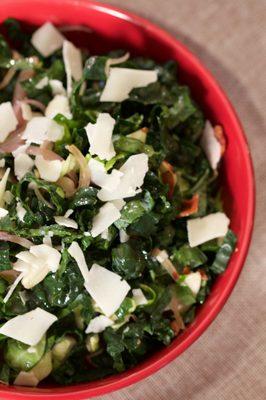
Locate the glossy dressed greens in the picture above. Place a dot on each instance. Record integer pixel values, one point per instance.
(147, 245)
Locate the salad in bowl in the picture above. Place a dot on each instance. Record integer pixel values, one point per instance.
(112, 228)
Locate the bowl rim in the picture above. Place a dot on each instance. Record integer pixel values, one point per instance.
(132, 376)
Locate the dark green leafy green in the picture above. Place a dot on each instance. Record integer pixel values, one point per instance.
(224, 253)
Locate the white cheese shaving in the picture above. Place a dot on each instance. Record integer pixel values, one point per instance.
(68, 222)
(106, 216)
(138, 297)
(211, 146)
(101, 178)
(97, 171)
(105, 235)
(42, 83)
(47, 39)
(20, 150)
(49, 170)
(22, 164)
(58, 105)
(26, 111)
(57, 87)
(73, 63)
(39, 129)
(193, 281)
(106, 288)
(36, 263)
(8, 120)
(134, 171)
(29, 328)
(121, 81)
(3, 183)
(2, 162)
(3, 212)
(33, 271)
(99, 324)
(100, 136)
(76, 252)
(201, 230)
(119, 203)
(12, 288)
(123, 236)
(50, 256)
(21, 212)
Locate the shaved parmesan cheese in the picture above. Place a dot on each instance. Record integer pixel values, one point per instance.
(12, 288)
(101, 178)
(2, 163)
(48, 255)
(134, 171)
(112, 180)
(137, 165)
(40, 129)
(76, 252)
(193, 281)
(107, 215)
(21, 212)
(121, 81)
(139, 297)
(47, 39)
(36, 263)
(49, 170)
(3, 213)
(119, 203)
(55, 131)
(97, 171)
(42, 83)
(57, 87)
(123, 236)
(20, 150)
(201, 230)
(68, 222)
(26, 111)
(8, 120)
(106, 288)
(22, 164)
(33, 272)
(211, 146)
(73, 63)
(3, 183)
(59, 105)
(105, 235)
(99, 324)
(100, 136)
(29, 328)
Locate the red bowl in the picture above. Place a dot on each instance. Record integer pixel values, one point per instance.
(111, 29)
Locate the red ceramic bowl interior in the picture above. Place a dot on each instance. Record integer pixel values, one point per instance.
(112, 29)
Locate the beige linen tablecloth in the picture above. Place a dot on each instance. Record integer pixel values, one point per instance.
(228, 362)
